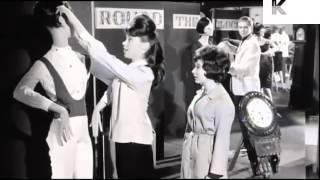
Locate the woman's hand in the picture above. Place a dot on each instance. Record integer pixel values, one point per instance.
(73, 21)
(96, 123)
(96, 117)
(63, 10)
(232, 71)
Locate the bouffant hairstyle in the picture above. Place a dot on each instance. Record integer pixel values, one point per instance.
(144, 27)
(202, 23)
(216, 62)
(267, 33)
(257, 28)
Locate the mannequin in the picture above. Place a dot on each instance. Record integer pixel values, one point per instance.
(205, 29)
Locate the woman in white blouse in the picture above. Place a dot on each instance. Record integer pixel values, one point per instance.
(129, 86)
(210, 116)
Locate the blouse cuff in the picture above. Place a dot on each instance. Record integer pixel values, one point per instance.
(214, 176)
(46, 104)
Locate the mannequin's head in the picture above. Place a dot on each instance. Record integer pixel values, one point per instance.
(205, 26)
(45, 13)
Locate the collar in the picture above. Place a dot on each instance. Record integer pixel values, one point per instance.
(247, 37)
(205, 40)
(214, 93)
(58, 48)
(141, 62)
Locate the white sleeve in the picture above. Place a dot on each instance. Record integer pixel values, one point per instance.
(224, 118)
(252, 56)
(105, 65)
(24, 91)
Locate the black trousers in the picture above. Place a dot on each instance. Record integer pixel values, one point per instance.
(247, 144)
(134, 161)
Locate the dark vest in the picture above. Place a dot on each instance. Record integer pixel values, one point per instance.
(74, 107)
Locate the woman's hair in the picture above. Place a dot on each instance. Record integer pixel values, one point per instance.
(202, 23)
(144, 27)
(216, 63)
(267, 33)
(45, 12)
(257, 28)
(275, 29)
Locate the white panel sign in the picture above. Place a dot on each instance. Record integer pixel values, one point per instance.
(227, 24)
(185, 21)
(291, 12)
(118, 18)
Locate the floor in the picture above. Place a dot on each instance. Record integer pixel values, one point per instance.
(298, 142)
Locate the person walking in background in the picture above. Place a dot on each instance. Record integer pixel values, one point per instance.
(266, 61)
(284, 48)
(276, 48)
(291, 47)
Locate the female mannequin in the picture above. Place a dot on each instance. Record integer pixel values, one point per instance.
(205, 30)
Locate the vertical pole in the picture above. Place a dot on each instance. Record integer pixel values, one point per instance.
(96, 164)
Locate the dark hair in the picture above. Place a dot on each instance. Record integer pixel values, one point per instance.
(202, 23)
(216, 63)
(257, 28)
(290, 37)
(267, 33)
(45, 12)
(144, 27)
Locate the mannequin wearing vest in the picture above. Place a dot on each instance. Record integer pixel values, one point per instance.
(205, 30)
(62, 73)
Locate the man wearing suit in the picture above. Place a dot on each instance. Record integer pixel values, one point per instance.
(245, 75)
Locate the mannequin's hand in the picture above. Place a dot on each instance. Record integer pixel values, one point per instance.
(64, 131)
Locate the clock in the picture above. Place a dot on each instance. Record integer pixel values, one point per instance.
(257, 113)
(300, 34)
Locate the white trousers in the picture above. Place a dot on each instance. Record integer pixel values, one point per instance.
(75, 158)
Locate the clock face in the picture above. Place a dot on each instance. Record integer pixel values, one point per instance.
(260, 113)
